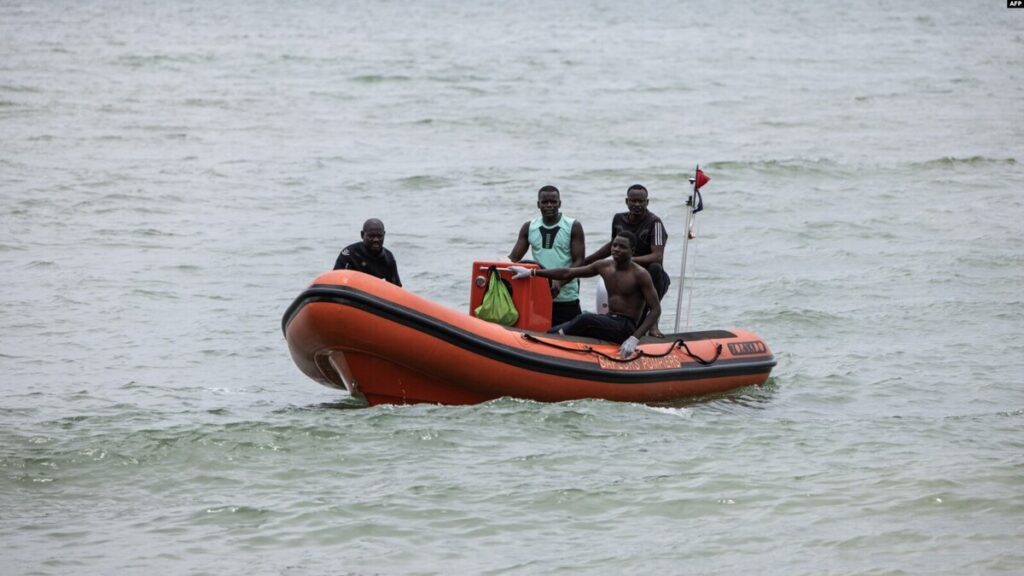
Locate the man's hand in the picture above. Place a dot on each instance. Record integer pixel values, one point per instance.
(655, 332)
(519, 272)
(628, 347)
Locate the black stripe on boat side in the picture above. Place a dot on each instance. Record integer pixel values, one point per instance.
(687, 336)
(347, 296)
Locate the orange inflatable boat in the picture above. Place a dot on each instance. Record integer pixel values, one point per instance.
(387, 345)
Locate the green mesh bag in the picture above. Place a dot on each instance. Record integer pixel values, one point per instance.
(497, 305)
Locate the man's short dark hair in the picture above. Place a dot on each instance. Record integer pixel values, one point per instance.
(628, 236)
(636, 187)
(549, 188)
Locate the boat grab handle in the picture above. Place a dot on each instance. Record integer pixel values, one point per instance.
(639, 353)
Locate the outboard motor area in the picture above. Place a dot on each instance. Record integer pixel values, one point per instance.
(531, 296)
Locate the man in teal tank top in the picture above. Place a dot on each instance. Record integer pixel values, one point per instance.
(556, 241)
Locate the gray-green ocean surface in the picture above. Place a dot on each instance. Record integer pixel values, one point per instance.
(173, 174)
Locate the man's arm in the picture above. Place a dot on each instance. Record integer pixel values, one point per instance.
(343, 262)
(522, 243)
(578, 245)
(650, 323)
(602, 253)
(657, 255)
(656, 232)
(394, 272)
(563, 274)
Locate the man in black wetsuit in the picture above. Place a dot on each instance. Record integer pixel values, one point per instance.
(650, 234)
(370, 256)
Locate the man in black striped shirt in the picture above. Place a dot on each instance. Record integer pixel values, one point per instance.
(650, 234)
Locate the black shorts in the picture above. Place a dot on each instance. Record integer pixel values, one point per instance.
(611, 327)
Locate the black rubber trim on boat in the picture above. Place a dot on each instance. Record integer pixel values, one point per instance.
(347, 296)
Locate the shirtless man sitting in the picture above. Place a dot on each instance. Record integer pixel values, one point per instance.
(629, 289)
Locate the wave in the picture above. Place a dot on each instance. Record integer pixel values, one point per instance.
(424, 182)
(799, 166)
(218, 103)
(143, 60)
(20, 88)
(953, 161)
(380, 78)
(155, 294)
(795, 317)
(782, 166)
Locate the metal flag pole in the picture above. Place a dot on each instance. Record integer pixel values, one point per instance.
(690, 211)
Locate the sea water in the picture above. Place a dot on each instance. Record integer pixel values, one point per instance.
(173, 174)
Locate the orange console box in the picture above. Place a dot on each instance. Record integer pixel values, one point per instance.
(531, 296)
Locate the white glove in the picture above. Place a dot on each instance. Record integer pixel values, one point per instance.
(519, 272)
(628, 347)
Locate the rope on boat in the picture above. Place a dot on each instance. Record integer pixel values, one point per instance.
(586, 349)
(701, 361)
